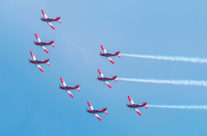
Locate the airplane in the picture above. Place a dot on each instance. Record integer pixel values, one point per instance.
(136, 106)
(92, 110)
(109, 55)
(49, 20)
(68, 88)
(43, 44)
(106, 79)
(37, 62)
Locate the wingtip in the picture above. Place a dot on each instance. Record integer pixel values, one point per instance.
(89, 104)
(129, 97)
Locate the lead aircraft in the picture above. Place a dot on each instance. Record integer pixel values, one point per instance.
(106, 79)
(49, 20)
(38, 62)
(68, 88)
(43, 44)
(109, 55)
(136, 106)
(94, 112)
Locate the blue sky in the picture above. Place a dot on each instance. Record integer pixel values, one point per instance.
(31, 102)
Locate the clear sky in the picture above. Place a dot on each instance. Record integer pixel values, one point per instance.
(31, 103)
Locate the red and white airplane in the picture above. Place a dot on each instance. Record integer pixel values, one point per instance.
(43, 44)
(136, 106)
(38, 62)
(109, 55)
(68, 88)
(49, 20)
(106, 79)
(92, 110)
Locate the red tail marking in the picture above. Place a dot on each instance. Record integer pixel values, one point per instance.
(116, 80)
(106, 113)
(78, 89)
(146, 107)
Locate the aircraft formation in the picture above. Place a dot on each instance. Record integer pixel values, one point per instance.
(69, 89)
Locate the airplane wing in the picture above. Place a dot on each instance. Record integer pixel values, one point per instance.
(104, 50)
(37, 37)
(70, 93)
(100, 73)
(107, 83)
(40, 68)
(33, 56)
(43, 47)
(44, 14)
(98, 117)
(140, 114)
(78, 89)
(51, 25)
(110, 59)
(130, 99)
(63, 82)
(90, 106)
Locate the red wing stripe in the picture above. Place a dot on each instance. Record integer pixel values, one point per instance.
(109, 85)
(32, 54)
(36, 36)
(99, 71)
(43, 12)
(89, 104)
(130, 99)
(102, 47)
(71, 95)
(61, 79)
(112, 61)
(53, 27)
(41, 70)
(46, 51)
(99, 118)
(140, 114)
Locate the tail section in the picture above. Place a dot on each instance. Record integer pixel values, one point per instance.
(78, 89)
(115, 78)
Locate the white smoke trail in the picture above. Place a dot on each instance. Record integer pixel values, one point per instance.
(173, 82)
(198, 107)
(169, 58)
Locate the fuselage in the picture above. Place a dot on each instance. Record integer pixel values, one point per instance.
(136, 105)
(97, 111)
(109, 54)
(50, 19)
(44, 43)
(39, 61)
(69, 87)
(106, 78)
